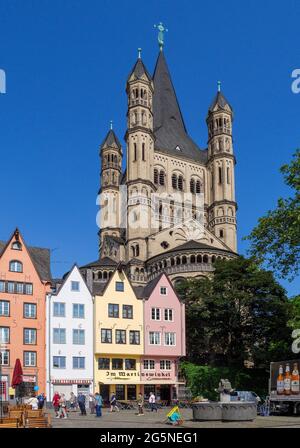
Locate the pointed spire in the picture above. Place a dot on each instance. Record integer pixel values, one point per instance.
(166, 110)
(219, 100)
(139, 69)
(111, 139)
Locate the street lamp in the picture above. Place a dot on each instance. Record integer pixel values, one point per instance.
(2, 347)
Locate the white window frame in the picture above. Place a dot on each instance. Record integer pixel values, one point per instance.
(59, 331)
(149, 361)
(73, 282)
(168, 312)
(3, 304)
(30, 305)
(78, 357)
(59, 304)
(79, 331)
(3, 354)
(79, 305)
(31, 332)
(165, 337)
(165, 361)
(59, 356)
(156, 309)
(154, 333)
(3, 331)
(31, 355)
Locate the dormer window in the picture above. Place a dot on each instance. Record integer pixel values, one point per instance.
(16, 245)
(178, 148)
(15, 266)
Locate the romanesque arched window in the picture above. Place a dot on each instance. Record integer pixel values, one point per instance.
(180, 183)
(155, 176)
(205, 259)
(184, 260)
(193, 259)
(137, 250)
(192, 186)
(143, 151)
(199, 259)
(162, 177)
(198, 186)
(174, 181)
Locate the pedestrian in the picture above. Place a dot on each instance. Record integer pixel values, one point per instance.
(41, 400)
(33, 402)
(73, 402)
(152, 403)
(140, 404)
(113, 403)
(98, 404)
(92, 403)
(62, 406)
(55, 403)
(81, 403)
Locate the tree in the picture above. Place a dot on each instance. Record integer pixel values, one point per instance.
(294, 322)
(239, 314)
(276, 238)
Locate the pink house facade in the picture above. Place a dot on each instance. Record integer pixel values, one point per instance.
(164, 339)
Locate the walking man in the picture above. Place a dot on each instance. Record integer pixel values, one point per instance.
(113, 403)
(141, 404)
(81, 403)
(152, 403)
(99, 404)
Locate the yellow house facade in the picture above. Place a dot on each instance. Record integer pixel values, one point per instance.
(119, 339)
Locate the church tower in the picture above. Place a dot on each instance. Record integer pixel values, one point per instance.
(221, 162)
(140, 153)
(111, 167)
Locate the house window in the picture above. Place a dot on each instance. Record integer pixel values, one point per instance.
(4, 335)
(59, 362)
(78, 337)
(75, 286)
(59, 335)
(163, 291)
(59, 309)
(29, 336)
(120, 337)
(4, 308)
(117, 364)
(19, 287)
(134, 337)
(154, 338)
(28, 289)
(78, 362)
(78, 310)
(149, 364)
(2, 286)
(130, 364)
(11, 287)
(113, 310)
(106, 336)
(120, 392)
(169, 314)
(4, 357)
(155, 313)
(120, 286)
(103, 363)
(127, 312)
(30, 310)
(29, 359)
(170, 339)
(16, 245)
(165, 364)
(15, 266)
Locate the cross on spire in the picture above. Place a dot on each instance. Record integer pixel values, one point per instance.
(160, 37)
(219, 86)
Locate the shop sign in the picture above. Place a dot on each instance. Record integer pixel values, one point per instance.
(122, 374)
(156, 374)
(29, 379)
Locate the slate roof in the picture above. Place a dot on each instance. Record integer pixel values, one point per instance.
(106, 261)
(169, 126)
(219, 100)
(111, 140)
(40, 258)
(192, 245)
(139, 70)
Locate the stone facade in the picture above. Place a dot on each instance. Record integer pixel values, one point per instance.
(172, 193)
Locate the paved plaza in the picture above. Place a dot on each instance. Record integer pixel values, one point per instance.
(130, 419)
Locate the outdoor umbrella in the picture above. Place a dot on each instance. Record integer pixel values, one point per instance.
(17, 375)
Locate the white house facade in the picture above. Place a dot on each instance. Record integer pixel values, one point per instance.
(70, 337)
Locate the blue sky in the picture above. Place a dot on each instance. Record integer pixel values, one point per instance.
(66, 64)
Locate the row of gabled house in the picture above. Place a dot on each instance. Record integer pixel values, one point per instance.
(78, 335)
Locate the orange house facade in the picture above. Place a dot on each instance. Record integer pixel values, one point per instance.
(24, 282)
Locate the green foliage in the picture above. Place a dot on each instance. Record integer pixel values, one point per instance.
(276, 239)
(238, 315)
(294, 322)
(203, 380)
